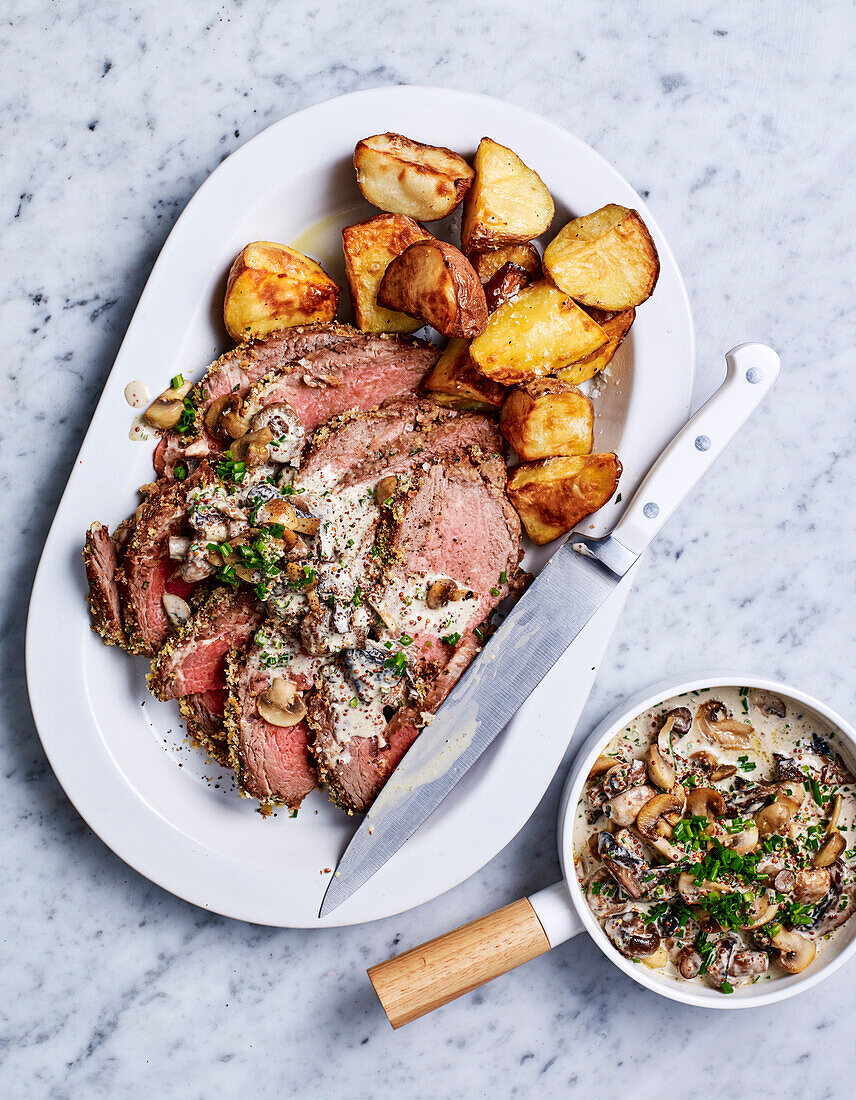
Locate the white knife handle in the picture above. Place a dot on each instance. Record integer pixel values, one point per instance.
(751, 371)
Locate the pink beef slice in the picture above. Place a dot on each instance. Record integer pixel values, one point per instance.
(193, 659)
(101, 560)
(146, 571)
(321, 370)
(451, 520)
(271, 763)
(404, 432)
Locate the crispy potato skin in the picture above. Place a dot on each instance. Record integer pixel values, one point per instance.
(539, 332)
(616, 326)
(455, 383)
(435, 282)
(505, 285)
(507, 202)
(606, 259)
(546, 418)
(404, 176)
(552, 496)
(369, 248)
(272, 286)
(488, 262)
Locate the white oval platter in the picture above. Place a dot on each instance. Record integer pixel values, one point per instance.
(121, 756)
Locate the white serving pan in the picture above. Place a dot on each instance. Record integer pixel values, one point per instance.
(120, 755)
(460, 961)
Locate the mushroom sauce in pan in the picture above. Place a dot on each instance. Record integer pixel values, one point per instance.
(716, 838)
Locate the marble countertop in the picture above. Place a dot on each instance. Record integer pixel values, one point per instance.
(733, 121)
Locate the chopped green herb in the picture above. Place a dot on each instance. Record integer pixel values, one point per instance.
(177, 381)
(180, 471)
(451, 639)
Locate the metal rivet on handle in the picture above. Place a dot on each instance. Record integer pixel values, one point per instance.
(754, 375)
(651, 510)
(702, 443)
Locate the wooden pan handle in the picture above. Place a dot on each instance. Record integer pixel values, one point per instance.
(429, 976)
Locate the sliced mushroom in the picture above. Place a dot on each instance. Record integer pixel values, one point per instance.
(744, 841)
(715, 724)
(774, 819)
(601, 766)
(660, 770)
(622, 809)
(223, 419)
(704, 762)
(811, 885)
(442, 592)
(281, 704)
(795, 951)
(692, 892)
(785, 881)
(705, 802)
(658, 959)
(834, 815)
(623, 776)
(385, 489)
(829, 851)
(632, 937)
(628, 869)
(681, 718)
(252, 447)
(761, 910)
(284, 513)
(166, 409)
(651, 821)
(837, 907)
(604, 896)
(746, 800)
(768, 704)
(723, 771)
(286, 428)
(791, 794)
(689, 962)
(177, 609)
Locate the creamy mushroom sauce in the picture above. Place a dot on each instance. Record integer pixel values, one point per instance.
(319, 595)
(727, 868)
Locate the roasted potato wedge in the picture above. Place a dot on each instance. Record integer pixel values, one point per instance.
(507, 202)
(505, 285)
(552, 496)
(616, 326)
(403, 176)
(455, 383)
(272, 286)
(487, 263)
(435, 282)
(369, 248)
(537, 333)
(606, 259)
(546, 418)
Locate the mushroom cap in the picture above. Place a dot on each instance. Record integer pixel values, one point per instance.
(706, 802)
(624, 808)
(281, 704)
(661, 771)
(773, 819)
(796, 952)
(829, 851)
(649, 820)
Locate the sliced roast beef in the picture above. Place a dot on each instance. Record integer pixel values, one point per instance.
(203, 712)
(271, 763)
(101, 561)
(321, 371)
(192, 660)
(452, 540)
(146, 570)
(403, 433)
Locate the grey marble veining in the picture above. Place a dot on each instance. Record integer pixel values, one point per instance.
(736, 122)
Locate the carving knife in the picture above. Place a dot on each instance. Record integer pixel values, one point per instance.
(543, 623)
